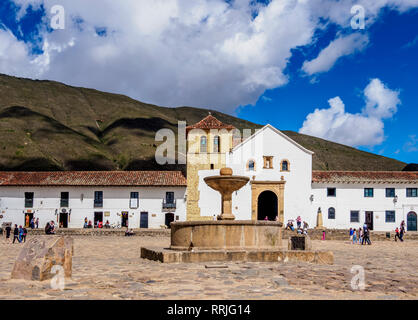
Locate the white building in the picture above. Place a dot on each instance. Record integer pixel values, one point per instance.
(147, 199)
(282, 184)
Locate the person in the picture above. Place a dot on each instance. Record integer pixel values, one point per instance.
(354, 236)
(366, 235)
(351, 234)
(397, 235)
(107, 224)
(214, 217)
(27, 221)
(20, 234)
(360, 235)
(323, 235)
(266, 218)
(299, 221)
(402, 231)
(90, 225)
(8, 231)
(32, 223)
(86, 225)
(52, 227)
(15, 234)
(100, 225)
(24, 234)
(47, 228)
(37, 223)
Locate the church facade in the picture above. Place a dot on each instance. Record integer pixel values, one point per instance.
(282, 187)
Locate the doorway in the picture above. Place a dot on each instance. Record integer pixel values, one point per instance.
(63, 222)
(169, 218)
(411, 221)
(144, 220)
(125, 219)
(267, 206)
(98, 217)
(28, 219)
(369, 219)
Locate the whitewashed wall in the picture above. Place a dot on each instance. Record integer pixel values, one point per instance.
(266, 143)
(351, 197)
(115, 200)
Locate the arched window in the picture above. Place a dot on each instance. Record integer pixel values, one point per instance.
(251, 165)
(285, 165)
(331, 213)
(216, 144)
(203, 144)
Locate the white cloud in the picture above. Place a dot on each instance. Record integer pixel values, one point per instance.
(342, 46)
(203, 53)
(360, 129)
(412, 144)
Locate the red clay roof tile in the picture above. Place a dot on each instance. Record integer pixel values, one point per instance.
(364, 176)
(93, 178)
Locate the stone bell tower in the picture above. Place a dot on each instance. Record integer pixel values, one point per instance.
(208, 142)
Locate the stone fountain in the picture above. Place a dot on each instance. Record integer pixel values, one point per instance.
(228, 239)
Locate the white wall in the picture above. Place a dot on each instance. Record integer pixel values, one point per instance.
(351, 197)
(115, 200)
(266, 143)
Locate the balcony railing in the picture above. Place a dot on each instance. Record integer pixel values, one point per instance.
(169, 205)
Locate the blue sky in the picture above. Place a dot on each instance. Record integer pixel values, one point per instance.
(261, 61)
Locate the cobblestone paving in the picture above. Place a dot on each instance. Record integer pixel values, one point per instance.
(110, 268)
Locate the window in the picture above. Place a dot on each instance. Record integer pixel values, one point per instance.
(98, 199)
(285, 165)
(411, 192)
(331, 213)
(251, 165)
(212, 166)
(354, 216)
(390, 216)
(169, 197)
(134, 201)
(216, 144)
(368, 192)
(65, 196)
(28, 199)
(332, 192)
(390, 192)
(268, 162)
(169, 202)
(203, 145)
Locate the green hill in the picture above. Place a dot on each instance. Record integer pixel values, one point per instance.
(46, 125)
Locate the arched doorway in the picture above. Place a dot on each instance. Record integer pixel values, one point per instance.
(169, 217)
(411, 221)
(267, 206)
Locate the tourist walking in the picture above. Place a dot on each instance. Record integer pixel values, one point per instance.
(8, 231)
(360, 235)
(402, 231)
(354, 236)
(20, 233)
(351, 234)
(16, 234)
(366, 235)
(397, 235)
(37, 223)
(24, 234)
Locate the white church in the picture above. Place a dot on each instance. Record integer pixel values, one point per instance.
(282, 187)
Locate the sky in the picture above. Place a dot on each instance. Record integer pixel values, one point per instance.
(345, 71)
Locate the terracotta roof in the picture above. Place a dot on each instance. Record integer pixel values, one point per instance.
(93, 178)
(364, 177)
(210, 122)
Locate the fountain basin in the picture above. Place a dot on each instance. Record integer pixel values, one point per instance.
(226, 235)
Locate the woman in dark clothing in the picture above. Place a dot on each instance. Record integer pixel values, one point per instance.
(15, 234)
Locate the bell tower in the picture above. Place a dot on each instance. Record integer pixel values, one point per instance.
(208, 142)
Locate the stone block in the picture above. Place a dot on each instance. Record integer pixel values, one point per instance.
(40, 254)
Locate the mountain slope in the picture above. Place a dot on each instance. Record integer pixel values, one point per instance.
(46, 125)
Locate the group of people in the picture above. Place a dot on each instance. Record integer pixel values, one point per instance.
(360, 236)
(399, 233)
(34, 223)
(19, 233)
(299, 228)
(98, 224)
(50, 228)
